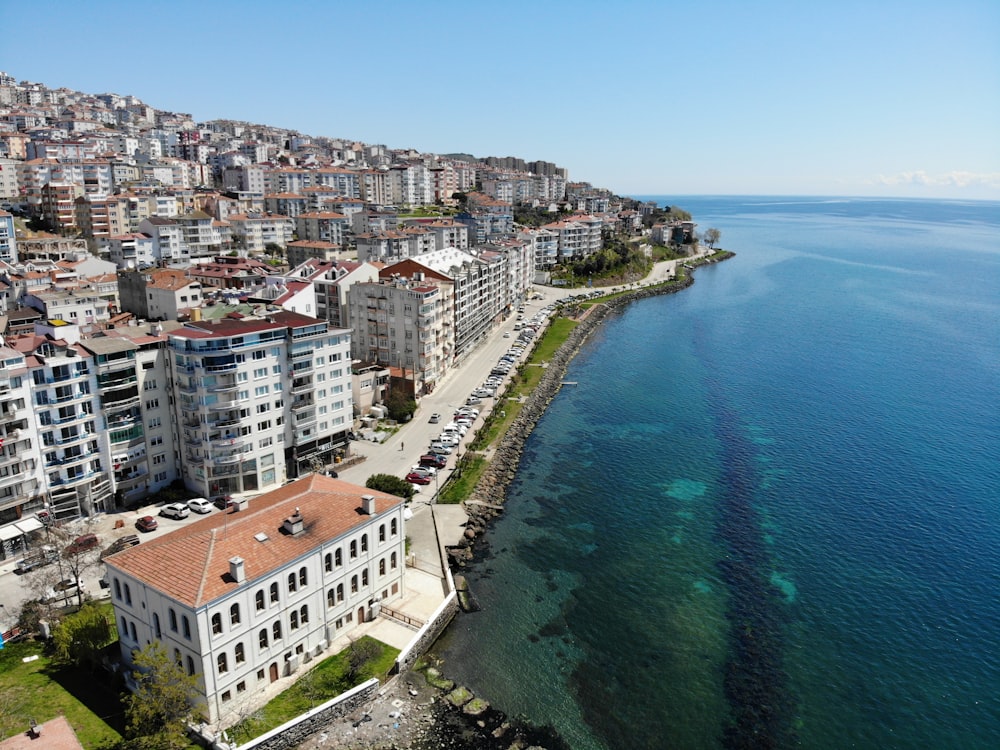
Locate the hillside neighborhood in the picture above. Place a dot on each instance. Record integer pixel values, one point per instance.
(220, 313)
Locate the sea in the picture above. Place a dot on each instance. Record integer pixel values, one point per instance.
(766, 513)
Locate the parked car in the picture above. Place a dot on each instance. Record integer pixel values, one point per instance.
(421, 469)
(83, 544)
(146, 523)
(175, 510)
(36, 559)
(124, 542)
(440, 448)
(433, 459)
(415, 478)
(66, 588)
(200, 505)
(435, 418)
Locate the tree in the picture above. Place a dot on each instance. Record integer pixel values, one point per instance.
(76, 562)
(161, 704)
(391, 484)
(80, 637)
(712, 236)
(360, 653)
(401, 406)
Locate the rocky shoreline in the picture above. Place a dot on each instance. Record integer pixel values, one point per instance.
(422, 709)
(491, 492)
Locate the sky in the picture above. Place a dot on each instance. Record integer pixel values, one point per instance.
(642, 97)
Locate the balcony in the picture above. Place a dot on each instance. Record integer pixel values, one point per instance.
(126, 435)
(302, 367)
(75, 417)
(227, 441)
(224, 405)
(301, 386)
(72, 439)
(223, 423)
(233, 458)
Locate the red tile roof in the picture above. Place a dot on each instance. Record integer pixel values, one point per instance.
(191, 564)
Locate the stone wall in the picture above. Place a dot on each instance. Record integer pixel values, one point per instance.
(299, 729)
(428, 633)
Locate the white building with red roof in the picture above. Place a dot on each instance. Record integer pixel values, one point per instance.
(244, 598)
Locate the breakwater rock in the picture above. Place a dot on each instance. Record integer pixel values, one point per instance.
(486, 501)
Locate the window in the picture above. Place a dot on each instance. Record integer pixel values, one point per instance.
(274, 593)
(260, 675)
(190, 666)
(227, 696)
(291, 582)
(118, 590)
(155, 422)
(177, 657)
(364, 542)
(241, 686)
(265, 425)
(262, 408)
(331, 598)
(159, 458)
(156, 628)
(354, 584)
(186, 626)
(223, 663)
(304, 615)
(262, 638)
(173, 620)
(153, 403)
(381, 533)
(327, 562)
(340, 592)
(293, 620)
(234, 614)
(156, 440)
(276, 631)
(354, 549)
(364, 577)
(392, 561)
(216, 623)
(392, 527)
(149, 385)
(240, 655)
(259, 600)
(338, 557)
(303, 576)
(381, 567)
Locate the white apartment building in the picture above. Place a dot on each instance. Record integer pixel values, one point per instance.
(259, 400)
(21, 477)
(480, 296)
(8, 238)
(67, 423)
(244, 599)
(255, 231)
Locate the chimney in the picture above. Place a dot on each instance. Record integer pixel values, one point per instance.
(368, 504)
(236, 569)
(293, 524)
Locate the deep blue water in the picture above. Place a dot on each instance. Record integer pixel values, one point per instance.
(768, 515)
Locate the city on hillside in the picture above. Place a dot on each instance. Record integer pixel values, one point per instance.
(217, 304)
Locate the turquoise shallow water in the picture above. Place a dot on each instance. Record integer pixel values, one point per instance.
(769, 514)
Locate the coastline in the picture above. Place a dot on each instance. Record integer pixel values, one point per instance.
(490, 493)
(409, 712)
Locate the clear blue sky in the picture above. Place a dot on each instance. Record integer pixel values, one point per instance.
(876, 97)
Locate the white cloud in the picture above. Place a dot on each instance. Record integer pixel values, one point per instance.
(955, 178)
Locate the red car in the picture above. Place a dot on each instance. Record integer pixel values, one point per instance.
(146, 523)
(417, 478)
(433, 459)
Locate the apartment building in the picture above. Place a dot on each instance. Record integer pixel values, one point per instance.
(579, 236)
(22, 481)
(66, 421)
(245, 599)
(405, 320)
(259, 399)
(8, 238)
(480, 296)
(323, 226)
